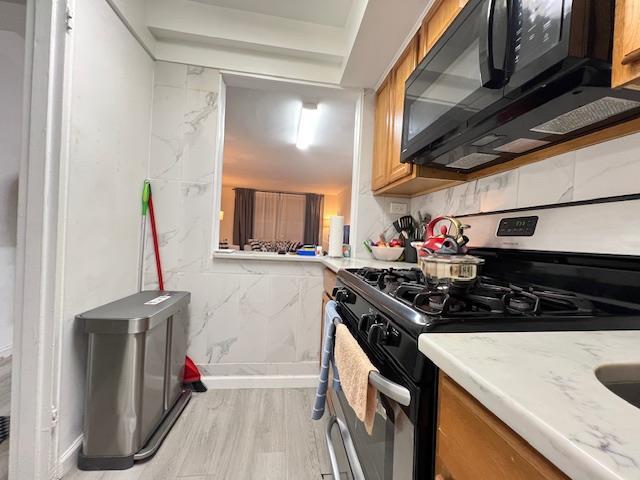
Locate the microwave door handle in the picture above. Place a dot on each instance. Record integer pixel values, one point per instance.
(392, 390)
(491, 76)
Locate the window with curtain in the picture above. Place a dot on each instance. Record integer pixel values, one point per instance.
(279, 216)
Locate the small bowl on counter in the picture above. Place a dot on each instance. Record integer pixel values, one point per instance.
(388, 254)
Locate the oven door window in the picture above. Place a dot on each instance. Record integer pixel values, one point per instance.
(379, 453)
(375, 451)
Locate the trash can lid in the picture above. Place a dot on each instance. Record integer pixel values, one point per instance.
(134, 314)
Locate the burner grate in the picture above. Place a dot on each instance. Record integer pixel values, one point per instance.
(486, 297)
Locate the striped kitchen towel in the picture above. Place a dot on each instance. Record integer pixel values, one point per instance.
(330, 315)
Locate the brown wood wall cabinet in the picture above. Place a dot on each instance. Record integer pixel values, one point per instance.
(381, 135)
(390, 177)
(472, 443)
(626, 45)
(404, 68)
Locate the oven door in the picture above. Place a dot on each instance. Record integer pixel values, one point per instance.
(386, 454)
(459, 79)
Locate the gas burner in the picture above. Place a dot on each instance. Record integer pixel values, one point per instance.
(519, 301)
(560, 303)
(370, 275)
(388, 279)
(440, 303)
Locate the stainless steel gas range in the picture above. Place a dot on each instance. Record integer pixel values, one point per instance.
(571, 267)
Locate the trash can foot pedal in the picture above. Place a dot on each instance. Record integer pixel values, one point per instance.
(88, 463)
(163, 429)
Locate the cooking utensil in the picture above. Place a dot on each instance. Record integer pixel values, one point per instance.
(404, 223)
(442, 268)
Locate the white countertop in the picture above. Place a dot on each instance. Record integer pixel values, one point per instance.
(543, 386)
(334, 264)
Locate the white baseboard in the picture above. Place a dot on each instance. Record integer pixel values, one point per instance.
(69, 459)
(260, 381)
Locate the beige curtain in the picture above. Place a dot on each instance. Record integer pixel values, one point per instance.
(265, 216)
(291, 218)
(279, 216)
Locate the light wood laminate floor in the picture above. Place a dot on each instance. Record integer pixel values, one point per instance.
(258, 434)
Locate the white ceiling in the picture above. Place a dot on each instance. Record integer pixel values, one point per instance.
(340, 42)
(323, 12)
(260, 135)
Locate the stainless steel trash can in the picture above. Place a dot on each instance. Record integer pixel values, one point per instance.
(134, 394)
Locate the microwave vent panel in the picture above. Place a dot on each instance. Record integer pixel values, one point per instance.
(473, 160)
(586, 115)
(521, 145)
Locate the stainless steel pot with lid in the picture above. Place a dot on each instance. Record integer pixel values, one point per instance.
(443, 268)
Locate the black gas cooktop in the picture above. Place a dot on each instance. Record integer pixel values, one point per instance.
(487, 304)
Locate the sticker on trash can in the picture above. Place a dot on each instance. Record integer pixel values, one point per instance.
(157, 300)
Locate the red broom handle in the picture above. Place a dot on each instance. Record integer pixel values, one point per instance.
(156, 247)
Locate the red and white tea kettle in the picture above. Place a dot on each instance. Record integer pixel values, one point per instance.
(449, 239)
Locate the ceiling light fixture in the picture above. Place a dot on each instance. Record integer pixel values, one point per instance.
(307, 125)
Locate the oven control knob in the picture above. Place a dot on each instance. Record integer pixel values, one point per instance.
(342, 295)
(378, 333)
(366, 320)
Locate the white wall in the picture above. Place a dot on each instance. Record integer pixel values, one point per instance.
(246, 318)
(372, 216)
(109, 93)
(134, 13)
(344, 205)
(12, 21)
(604, 170)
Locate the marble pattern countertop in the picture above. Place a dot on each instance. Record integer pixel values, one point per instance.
(333, 264)
(543, 386)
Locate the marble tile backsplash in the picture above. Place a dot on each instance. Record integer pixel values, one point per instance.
(246, 317)
(185, 122)
(604, 170)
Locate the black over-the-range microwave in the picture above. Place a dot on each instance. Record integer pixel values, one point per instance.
(512, 76)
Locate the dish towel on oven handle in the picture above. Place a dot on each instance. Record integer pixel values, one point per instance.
(355, 368)
(331, 317)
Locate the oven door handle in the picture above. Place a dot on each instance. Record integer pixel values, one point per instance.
(391, 389)
(352, 456)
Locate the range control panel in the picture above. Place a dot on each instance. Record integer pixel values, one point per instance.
(517, 227)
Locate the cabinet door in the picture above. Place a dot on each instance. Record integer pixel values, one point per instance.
(626, 48)
(473, 443)
(422, 41)
(381, 136)
(404, 68)
(439, 18)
